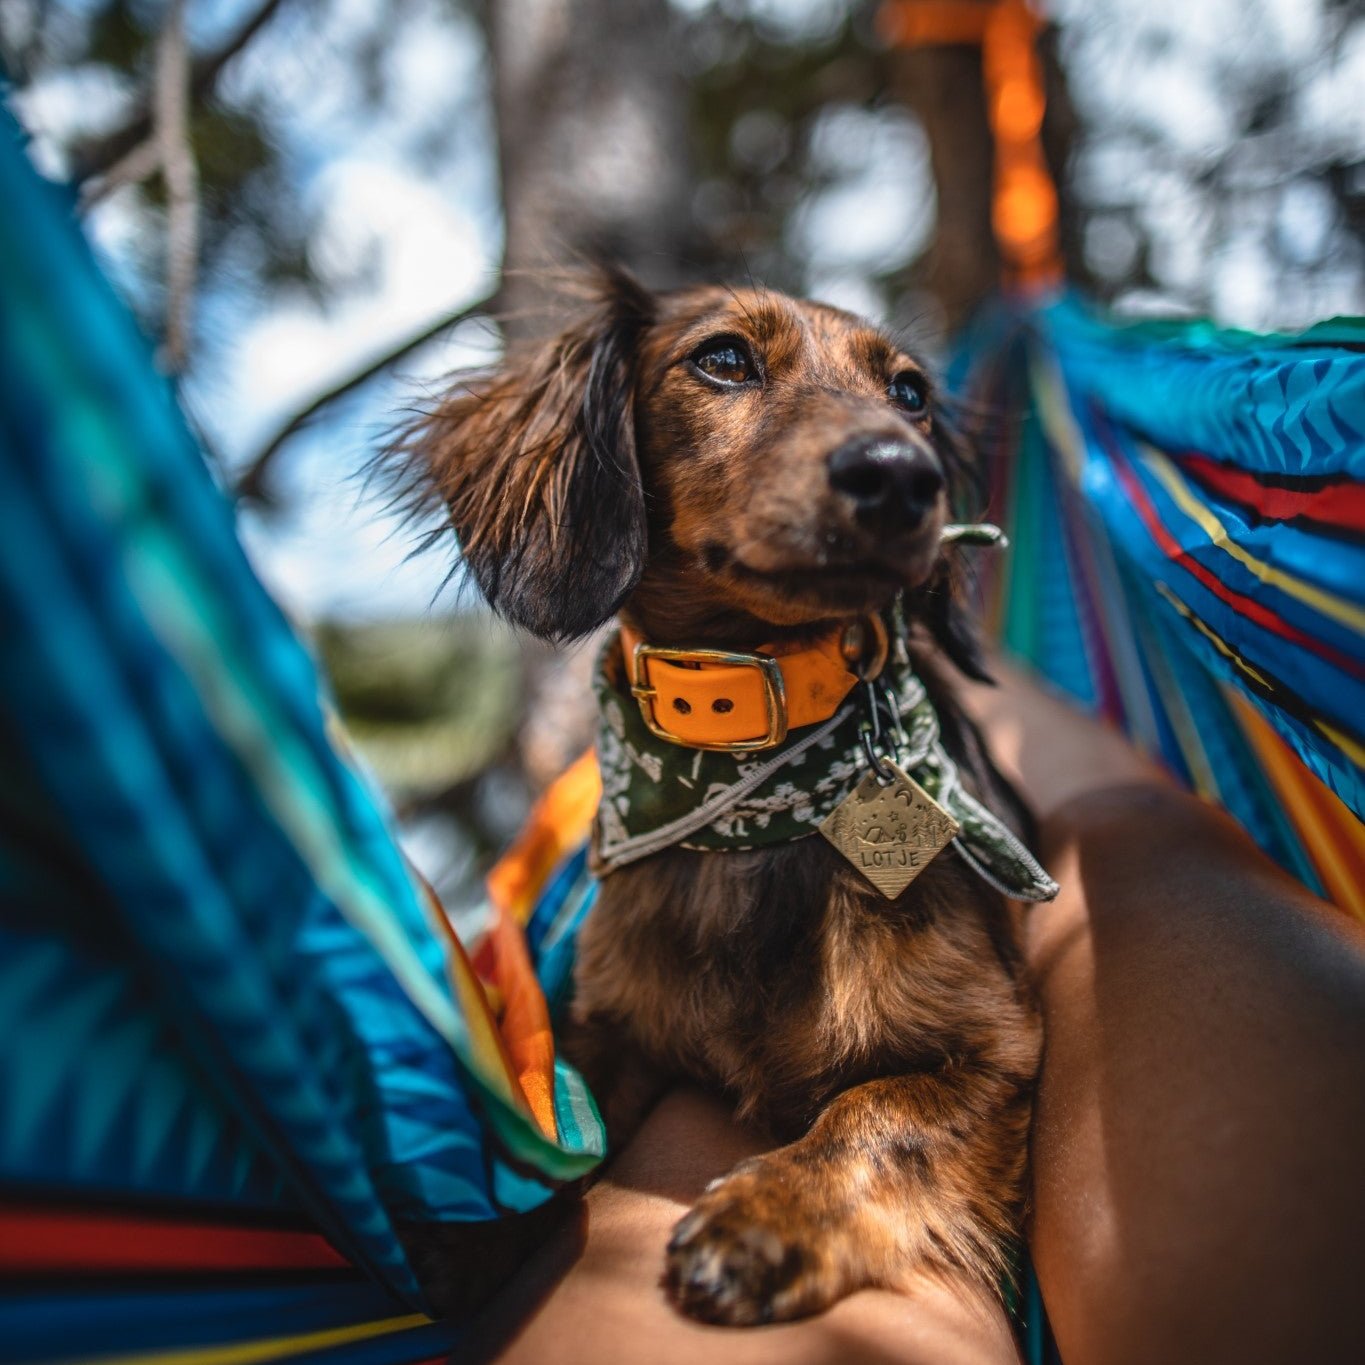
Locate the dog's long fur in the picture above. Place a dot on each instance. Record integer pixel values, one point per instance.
(892, 1045)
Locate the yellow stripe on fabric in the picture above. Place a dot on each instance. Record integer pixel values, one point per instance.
(1182, 723)
(1216, 640)
(1348, 746)
(1331, 835)
(1053, 405)
(272, 1348)
(1329, 604)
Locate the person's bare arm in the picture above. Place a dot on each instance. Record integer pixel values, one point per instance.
(594, 1298)
(1199, 1140)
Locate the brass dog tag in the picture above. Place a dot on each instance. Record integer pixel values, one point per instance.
(889, 833)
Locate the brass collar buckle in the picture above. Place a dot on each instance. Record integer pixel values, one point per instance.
(769, 671)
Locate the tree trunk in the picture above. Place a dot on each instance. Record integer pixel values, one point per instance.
(945, 88)
(592, 135)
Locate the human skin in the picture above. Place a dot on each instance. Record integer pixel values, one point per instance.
(1200, 1121)
(1197, 1188)
(598, 1298)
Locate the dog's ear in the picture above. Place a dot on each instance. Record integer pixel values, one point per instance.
(537, 469)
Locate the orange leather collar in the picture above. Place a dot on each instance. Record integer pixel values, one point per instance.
(722, 699)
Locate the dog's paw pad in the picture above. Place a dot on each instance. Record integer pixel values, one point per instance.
(728, 1263)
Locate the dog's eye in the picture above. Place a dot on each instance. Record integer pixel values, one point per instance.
(909, 392)
(725, 361)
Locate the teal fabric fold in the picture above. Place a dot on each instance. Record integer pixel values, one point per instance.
(238, 901)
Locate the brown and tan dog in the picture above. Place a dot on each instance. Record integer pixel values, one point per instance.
(734, 469)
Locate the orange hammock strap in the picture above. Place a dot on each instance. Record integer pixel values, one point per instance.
(1024, 210)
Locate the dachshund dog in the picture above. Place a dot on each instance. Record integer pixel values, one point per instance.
(734, 469)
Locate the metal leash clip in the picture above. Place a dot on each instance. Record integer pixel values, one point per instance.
(872, 733)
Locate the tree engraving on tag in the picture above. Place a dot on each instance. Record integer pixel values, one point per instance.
(889, 833)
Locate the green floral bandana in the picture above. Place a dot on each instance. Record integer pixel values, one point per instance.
(656, 795)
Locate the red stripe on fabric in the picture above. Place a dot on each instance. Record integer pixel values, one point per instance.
(1336, 504)
(41, 1241)
(1248, 607)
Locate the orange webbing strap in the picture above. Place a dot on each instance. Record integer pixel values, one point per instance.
(1024, 199)
(929, 23)
(558, 823)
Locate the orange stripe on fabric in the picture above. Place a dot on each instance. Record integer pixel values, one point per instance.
(557, 825)
(490, 1049)
(559, 822)
(1332, 836)
(525, 1019)
(45, 1241)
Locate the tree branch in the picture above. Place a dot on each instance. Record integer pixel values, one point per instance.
(99, 156)
(140, 164)
(253, 484)
(181, 174)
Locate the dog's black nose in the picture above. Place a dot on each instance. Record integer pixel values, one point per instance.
(891, 483)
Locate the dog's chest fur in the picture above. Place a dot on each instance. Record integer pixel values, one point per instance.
(782, 977)
(739, 469)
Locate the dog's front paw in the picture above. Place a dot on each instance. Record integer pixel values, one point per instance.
(745, 1254)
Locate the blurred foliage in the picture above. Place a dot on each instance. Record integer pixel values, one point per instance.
(757, 89)
(786, 108)
(430, 703)
(755, 97)
(117, 37)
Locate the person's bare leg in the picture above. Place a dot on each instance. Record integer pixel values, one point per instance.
(601, 1302)
(1199, 1140)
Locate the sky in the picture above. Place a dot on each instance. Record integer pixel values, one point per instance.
(401, 246)
(396, 249)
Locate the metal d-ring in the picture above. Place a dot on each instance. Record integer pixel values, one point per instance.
(865, 645)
